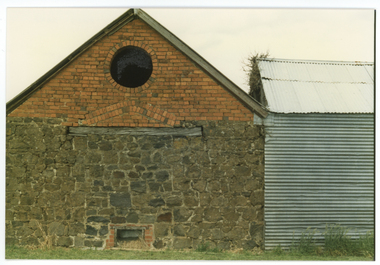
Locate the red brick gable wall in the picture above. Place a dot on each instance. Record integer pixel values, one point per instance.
(84, 92)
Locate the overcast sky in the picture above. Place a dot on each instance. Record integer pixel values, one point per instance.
(39, 38)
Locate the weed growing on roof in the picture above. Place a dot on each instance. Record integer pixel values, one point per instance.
(254, 77)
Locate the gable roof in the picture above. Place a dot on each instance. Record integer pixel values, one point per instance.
(304, 86)
(127, 17)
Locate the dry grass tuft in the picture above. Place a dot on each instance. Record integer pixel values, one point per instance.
(134, 244)
(46, 242)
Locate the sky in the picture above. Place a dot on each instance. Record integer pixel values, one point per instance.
(39, 38)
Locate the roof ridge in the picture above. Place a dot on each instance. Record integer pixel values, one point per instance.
(322, 62)
(306, 81)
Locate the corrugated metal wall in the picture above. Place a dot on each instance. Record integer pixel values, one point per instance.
(319, 169)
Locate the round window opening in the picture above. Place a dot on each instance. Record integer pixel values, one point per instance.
(131, 67)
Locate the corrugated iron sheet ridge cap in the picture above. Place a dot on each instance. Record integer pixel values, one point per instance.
(303, 61)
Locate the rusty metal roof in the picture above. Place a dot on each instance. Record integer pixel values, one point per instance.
(300, 86)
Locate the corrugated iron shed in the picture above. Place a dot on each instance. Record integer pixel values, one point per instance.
(300, 86)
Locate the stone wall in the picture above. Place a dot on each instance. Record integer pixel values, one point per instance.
(191, 190)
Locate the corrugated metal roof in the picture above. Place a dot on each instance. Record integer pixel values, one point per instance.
(299, 86)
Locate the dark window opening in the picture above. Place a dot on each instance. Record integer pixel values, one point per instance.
(131, 67)
(130, 238)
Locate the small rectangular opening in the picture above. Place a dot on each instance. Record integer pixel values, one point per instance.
(130, 238)
(128, 235)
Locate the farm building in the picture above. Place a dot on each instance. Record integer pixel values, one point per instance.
(134, 140)
(319, 147)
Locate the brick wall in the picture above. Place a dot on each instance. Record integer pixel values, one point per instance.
(84, 93)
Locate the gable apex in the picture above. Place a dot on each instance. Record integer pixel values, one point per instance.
(112, 28)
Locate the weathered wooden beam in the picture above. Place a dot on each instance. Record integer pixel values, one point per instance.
(196, 131)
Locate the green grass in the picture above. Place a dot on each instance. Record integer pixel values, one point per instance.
(336, 242)
(13, 252)
(338, 246)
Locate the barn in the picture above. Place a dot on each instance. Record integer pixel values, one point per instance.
(319, 147)
(134, 141)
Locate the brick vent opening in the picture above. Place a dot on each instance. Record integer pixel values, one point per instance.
(130, 236)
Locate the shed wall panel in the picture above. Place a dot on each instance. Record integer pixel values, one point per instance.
(319, 170)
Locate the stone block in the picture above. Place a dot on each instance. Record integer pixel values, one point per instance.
(91, 231)
(76, 228)
(96, 171)
(249, 244)
(166, 217)
(118, 220)
(173, 201)
(223, 245)
(11, 241)
(109, 211)
(77, 199)
(199, 185)
(194, 232)
(249, 213)
(182, 243)
(147, 219)
(105, 145)
(29, 241)
(156, 202)
(78, 241)
(158, 244)
(179, 230)
(181, 184)
(216, 234)
(181, 214)
(132, 218)
(120, 200)
(26, 200)
(64, 241)
(191, 201)
(257, 197)
(98, 219)
(162, 176)
(56, 228)
(161, 230)
(103, 230)
(256, 230)
(154, 186)
(212, 214)
(138, 186)
(133, 175)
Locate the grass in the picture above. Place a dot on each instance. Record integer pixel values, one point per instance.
(13, 252)
(338, 246)
(336, 243)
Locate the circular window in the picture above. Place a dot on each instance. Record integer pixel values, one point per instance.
(131, 66)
